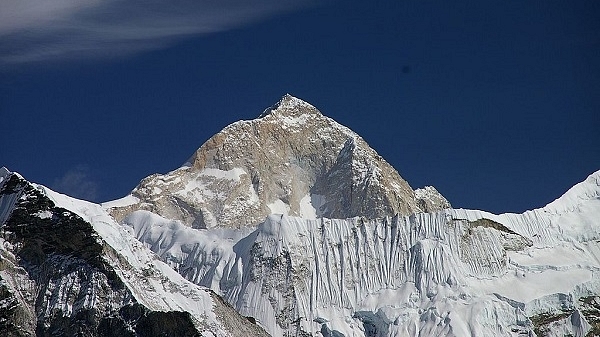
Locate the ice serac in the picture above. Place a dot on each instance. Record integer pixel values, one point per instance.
(291, 160)
(68, 269)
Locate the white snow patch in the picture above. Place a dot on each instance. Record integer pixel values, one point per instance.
(233, 174)
(526, 286)
(205, 256)
(279, 207)
(122, 202)
(310, 206)
(43, 214)
(294, 122)
(589, 189)
(405, 296)
(562, 256)
(195, 189)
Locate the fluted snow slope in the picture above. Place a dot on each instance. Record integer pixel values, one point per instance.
(450, 273)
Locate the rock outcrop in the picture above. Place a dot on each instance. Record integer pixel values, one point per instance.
(291, 160)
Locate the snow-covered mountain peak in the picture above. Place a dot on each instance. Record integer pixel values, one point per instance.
(430, 198)
(587, 190)
(292, 160)
(288, 218)
(289, 106)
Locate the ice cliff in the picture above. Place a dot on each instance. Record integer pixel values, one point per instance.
(449, 273)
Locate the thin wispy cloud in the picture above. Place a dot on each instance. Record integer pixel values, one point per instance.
(78, 183)
(40, 30)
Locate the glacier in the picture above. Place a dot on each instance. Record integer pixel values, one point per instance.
(455, 272)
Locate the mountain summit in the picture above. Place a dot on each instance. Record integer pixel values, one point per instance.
(291, 160)
(290, 106)
(291, 225)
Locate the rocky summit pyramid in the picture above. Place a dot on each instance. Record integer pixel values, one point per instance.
(290, 160)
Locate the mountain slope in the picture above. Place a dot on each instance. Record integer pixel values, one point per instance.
(344, 246)
(291, 160)
(68, 269)
(294, 222)
(450, 273)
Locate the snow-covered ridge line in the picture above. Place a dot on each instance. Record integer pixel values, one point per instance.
(289, 102)
(147, 280)
(326, 271)
(154, 292)
(588, 189)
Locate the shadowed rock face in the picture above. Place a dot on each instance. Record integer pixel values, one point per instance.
(54, 269)
(292, 160)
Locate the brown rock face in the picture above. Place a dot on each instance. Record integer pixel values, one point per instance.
(291, 160)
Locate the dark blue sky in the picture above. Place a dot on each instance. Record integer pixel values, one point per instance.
(496, 104)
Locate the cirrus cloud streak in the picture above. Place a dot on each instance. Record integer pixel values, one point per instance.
(41, 30)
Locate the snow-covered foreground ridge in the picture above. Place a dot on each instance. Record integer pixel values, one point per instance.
(67, 268)
(451, 273)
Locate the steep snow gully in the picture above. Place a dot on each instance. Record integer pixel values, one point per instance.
(292, 225)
